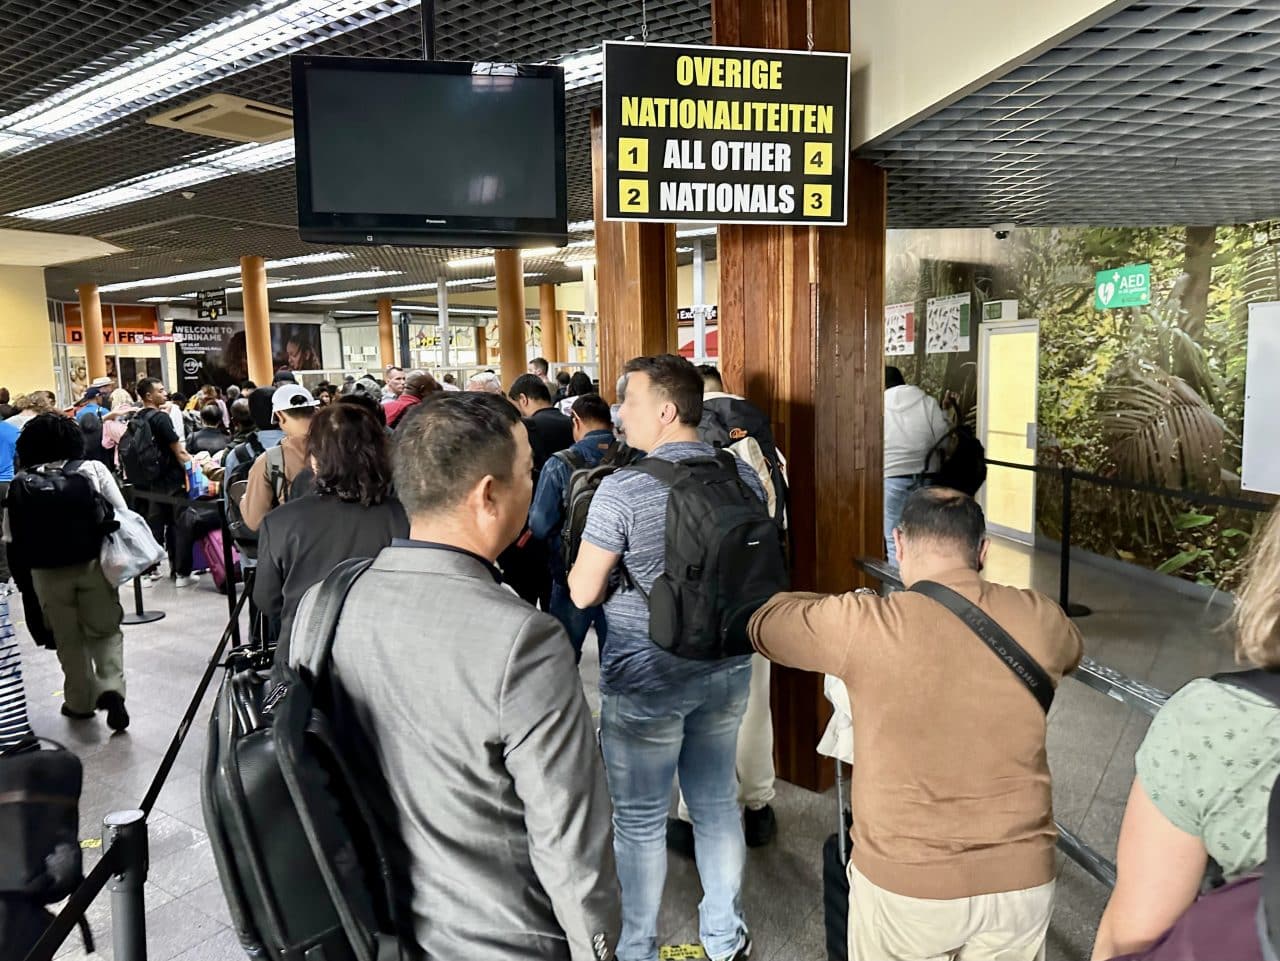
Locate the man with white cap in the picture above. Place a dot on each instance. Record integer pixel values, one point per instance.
(273, 473)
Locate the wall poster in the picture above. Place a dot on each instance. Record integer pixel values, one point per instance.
(215, 352)
(948, 325)
(900, 329)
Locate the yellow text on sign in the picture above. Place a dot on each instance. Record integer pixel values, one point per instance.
(681, 952)
(817, 200)
(817, 159)
(633, 196)
(633, 154)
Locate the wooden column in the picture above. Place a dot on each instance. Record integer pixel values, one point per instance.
(482, 346)
(95, 351)
(386, 334)
(551, 344)
(257, 320)
(801, 335)
(511, 325)
(636, 281)
(567, 352)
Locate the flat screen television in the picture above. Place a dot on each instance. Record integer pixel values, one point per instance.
(429, 153)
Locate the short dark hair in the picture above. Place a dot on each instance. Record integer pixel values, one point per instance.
(351, 453)
(711, 376)
(593, 409)
(676, 379)
(580, 383)
(146, 386)
(563, 378)
(260, 408)
(893, 378)
(449, 445)
(541, 364)
(211, 414)
(360, 399)
(49, 437)
(531, 386)
(241, 415)
(943, 514)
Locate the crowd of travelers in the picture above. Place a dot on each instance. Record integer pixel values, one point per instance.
(505, 525)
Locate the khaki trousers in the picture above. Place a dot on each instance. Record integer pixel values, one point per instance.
(1009, 926)
(83, 611)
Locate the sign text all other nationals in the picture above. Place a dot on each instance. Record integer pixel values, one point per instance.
(725, 134)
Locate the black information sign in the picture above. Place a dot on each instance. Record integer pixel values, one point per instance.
(211, 304)
(727, 135)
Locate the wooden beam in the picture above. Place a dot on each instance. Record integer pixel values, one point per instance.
(257, 320)
(511, 325)
(386, 334)
(95, 351)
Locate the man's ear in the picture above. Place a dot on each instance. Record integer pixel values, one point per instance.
(982, 553)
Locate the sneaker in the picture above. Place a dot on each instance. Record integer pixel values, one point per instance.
(113, 703)
(680, 837)
(760, 826)
(184, 580)
(152, 579)
(76, 715)
(743, 952)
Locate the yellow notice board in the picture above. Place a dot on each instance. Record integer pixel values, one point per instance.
(727, 135)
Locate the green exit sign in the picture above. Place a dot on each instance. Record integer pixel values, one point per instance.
(1122, 287)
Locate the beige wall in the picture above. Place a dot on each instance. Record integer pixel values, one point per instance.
(911, 57)
(26, 344)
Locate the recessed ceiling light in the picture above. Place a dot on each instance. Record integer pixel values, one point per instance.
(266, 31)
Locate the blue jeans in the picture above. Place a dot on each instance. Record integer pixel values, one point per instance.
(896, 491)
(646, 737)
(576, 621)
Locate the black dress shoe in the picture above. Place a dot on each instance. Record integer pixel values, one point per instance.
(113, 703)
(680, 837)
(76, 715)
(760, 827)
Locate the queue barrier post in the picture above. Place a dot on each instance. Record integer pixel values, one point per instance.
(126, 831)
(1064, 572)
(139, 615)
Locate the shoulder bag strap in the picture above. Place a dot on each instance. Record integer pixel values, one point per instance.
(668, 472)
(995, 637)
(322, 626)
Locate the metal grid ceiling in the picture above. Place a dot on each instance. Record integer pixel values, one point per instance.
(46, 45)
(1164, 113)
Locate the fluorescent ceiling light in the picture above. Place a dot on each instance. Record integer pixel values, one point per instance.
(704, 232)
(214, 166)
(399, 289)
(317, 258)
(582, 68)
(533, 253)
(267, 31)
(581, 226)
(326, 279)
(158, 300)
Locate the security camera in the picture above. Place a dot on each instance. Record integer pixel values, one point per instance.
(188, 195)
(1002, 231)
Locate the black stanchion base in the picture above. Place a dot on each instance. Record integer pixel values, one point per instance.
(1078, 610)
(142, 617)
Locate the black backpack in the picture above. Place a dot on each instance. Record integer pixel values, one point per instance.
(140, 454)
(961, 460)
(301, 859)
(57, 516)
(581, 488)
(723, 558)
(40, 857)
(728, 421)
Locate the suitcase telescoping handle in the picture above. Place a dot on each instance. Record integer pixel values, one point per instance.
(244, 698)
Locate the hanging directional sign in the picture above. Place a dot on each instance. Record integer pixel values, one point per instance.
(1122, 287)
(726, 135)
(211, 304)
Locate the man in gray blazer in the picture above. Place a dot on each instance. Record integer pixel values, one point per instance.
(464, 710)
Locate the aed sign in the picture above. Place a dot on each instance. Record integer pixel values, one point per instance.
(726, 135)
(1122, 287)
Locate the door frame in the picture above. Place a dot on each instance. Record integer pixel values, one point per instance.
(986, 331)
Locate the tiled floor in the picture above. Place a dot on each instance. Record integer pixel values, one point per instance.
(1153, 635)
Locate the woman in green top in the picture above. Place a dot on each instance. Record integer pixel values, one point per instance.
(1204, 777)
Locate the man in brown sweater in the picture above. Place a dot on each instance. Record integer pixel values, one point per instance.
(272, 475)
(953, 836)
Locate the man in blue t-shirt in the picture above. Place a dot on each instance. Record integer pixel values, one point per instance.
(661, 713)
(8, 450)
(593, 436)
(91, 404)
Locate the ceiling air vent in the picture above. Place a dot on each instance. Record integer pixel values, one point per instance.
(230, 118)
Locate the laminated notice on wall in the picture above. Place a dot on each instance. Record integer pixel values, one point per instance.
(725, 135)
(900, 329)
(947, 324)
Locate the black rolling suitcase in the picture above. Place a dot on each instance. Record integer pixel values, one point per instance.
(835, 879)
(300, 858)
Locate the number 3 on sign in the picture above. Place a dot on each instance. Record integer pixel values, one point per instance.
(817, 200)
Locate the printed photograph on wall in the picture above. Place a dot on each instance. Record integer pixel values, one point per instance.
(900, 330)
(947, 324)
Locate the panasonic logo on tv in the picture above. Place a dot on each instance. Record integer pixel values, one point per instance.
(430, 221)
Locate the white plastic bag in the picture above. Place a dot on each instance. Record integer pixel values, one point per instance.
(130, 550)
